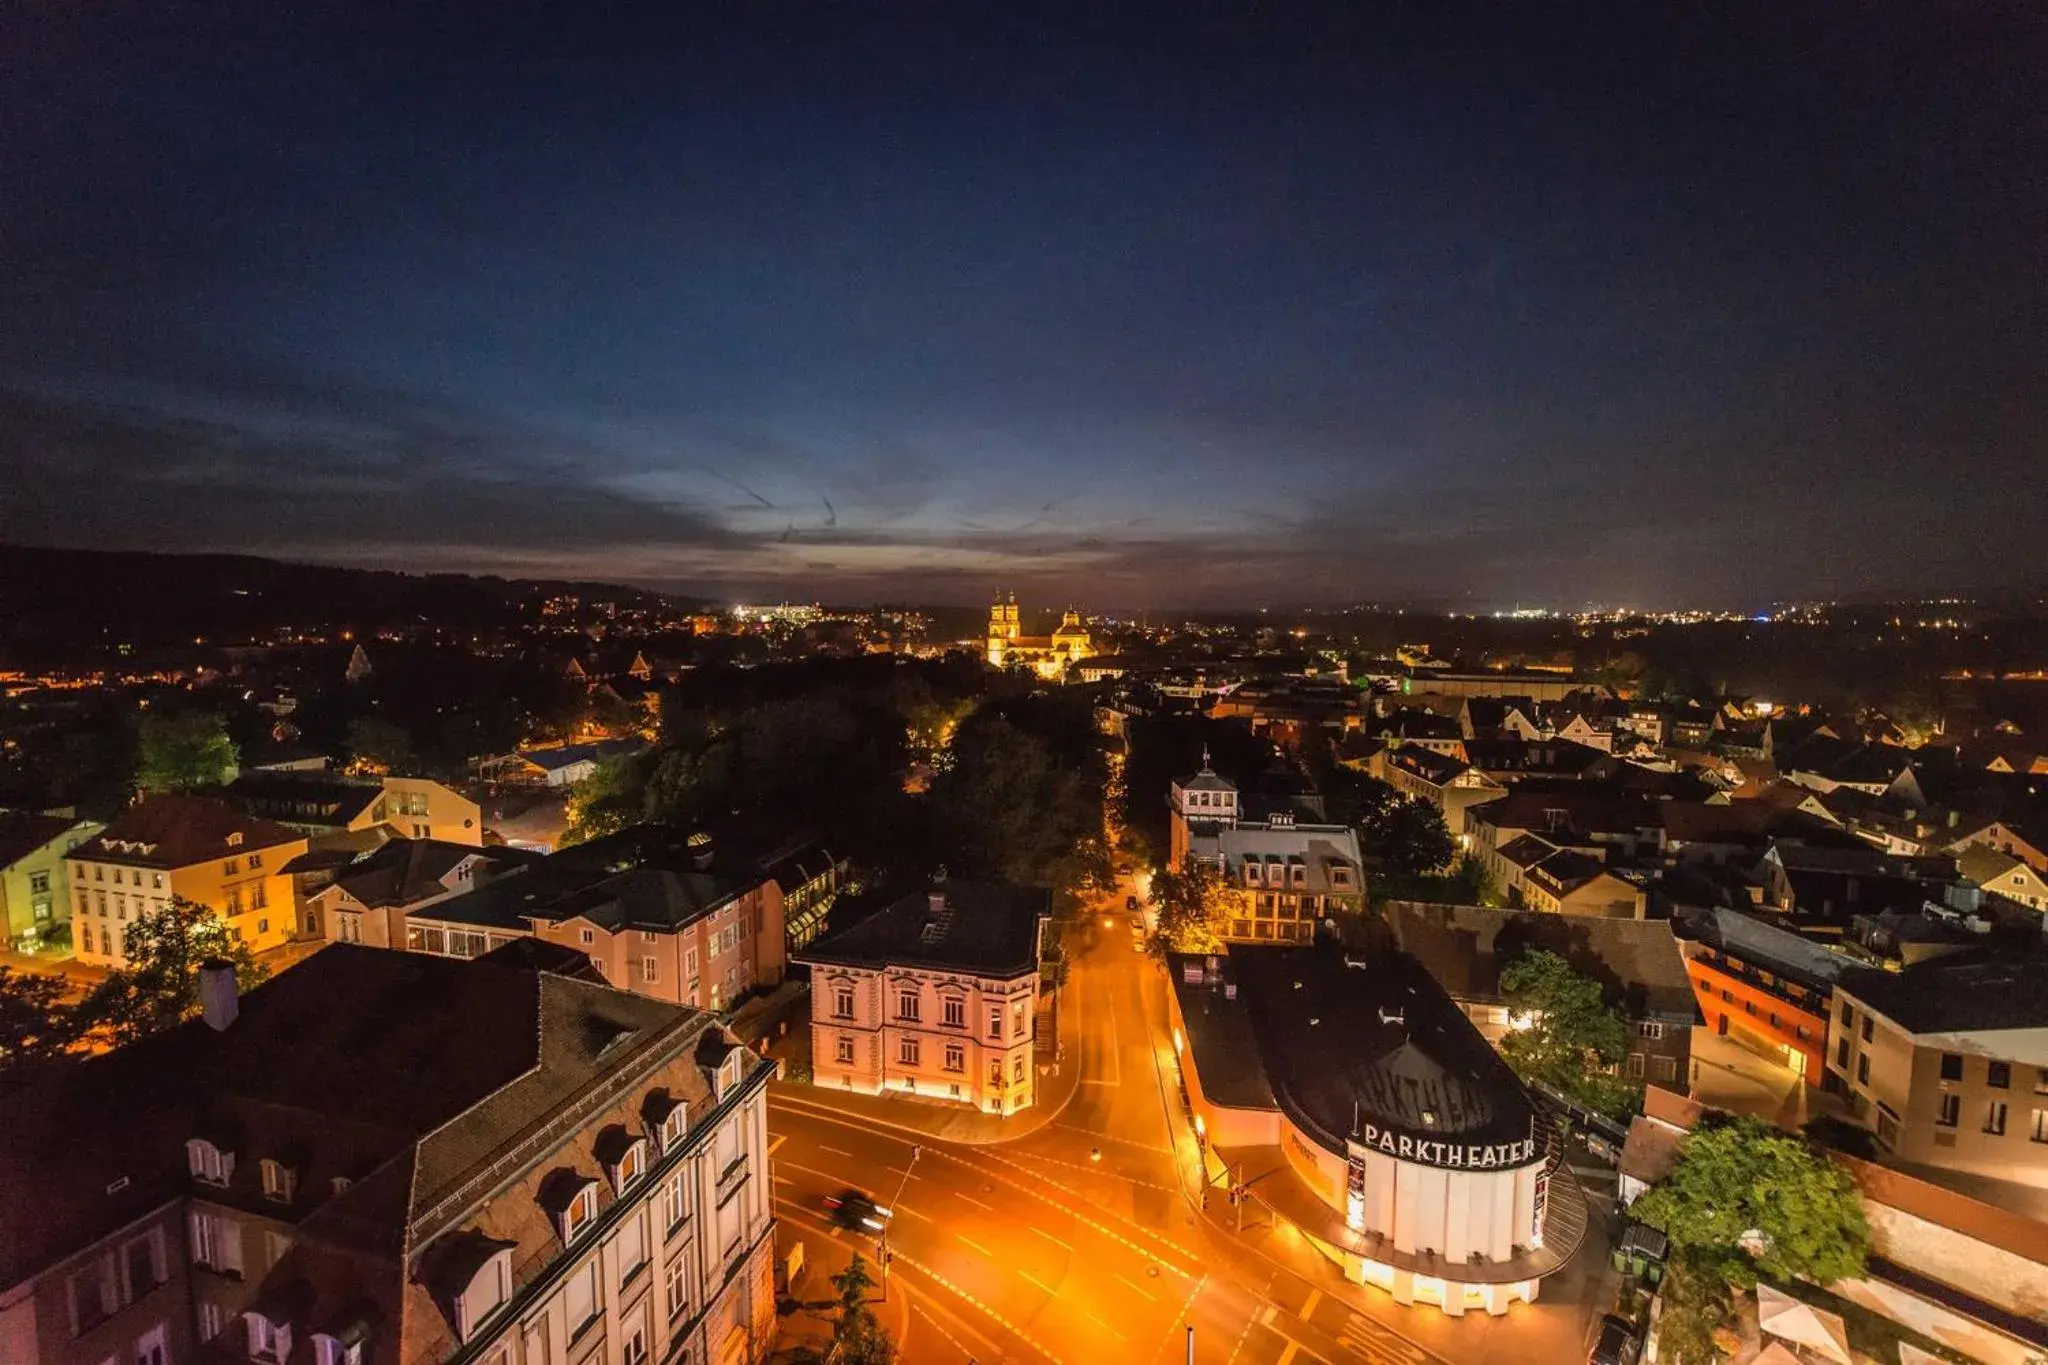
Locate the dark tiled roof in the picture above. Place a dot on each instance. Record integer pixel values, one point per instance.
(1373, 1038)
(1220, 1038)
(645, 877)
(983, 927)
(1939, 997)
(178, 831)
(1464, 947)
(408, 870)
(301, 798)
(23, 832)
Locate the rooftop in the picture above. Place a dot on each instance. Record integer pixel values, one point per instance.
(178, 831)
(1957, 997)
(1464, 947)
(987, 928)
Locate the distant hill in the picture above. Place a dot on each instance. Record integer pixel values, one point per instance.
(66, 596)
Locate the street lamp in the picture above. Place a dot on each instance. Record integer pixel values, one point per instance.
(882, 1252)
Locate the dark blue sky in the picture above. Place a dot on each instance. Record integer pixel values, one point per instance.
(1130, 307)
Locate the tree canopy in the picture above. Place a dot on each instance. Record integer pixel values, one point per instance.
(178, 753)
(1568, 1039)
(1765, 1198)
(159, 987)
(378, 746)
(37, 1024)
(1194, 905)
(1006, 807)
(858, 1338)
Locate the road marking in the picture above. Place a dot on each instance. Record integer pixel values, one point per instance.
(969, 1199)
(1308, 1310)
(1027, 1275)
(1050, 1238)
(1137, 1288)
(970, 1242)
(1292, 1350)
(1107, 1328)
(784, 1180)
(905, 1208)
(835, 1151)
(813, 1170)
(991, 1314)
(777, 1142)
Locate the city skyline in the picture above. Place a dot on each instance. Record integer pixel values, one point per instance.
(1464, 310)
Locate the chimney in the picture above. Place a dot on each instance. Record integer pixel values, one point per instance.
(936, 900)
(218, 1003)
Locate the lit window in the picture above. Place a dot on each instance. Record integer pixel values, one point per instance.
(632, 1165)
(842, 1049)
(907, 1051)
(673, 1125)
(1994, 1118)
(956, 1056)
(278, 1180)
(208, 1162)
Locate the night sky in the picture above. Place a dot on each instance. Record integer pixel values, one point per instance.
(1659, 304)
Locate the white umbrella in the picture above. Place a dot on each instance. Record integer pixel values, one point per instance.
(1775, 1354)
(1788, 1319)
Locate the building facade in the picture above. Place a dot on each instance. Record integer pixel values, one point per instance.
(1947, 1065)
(1047, 655)
(185, 846)
(1763, 987)
(934, 995)
(586, 1179)
(322, 804)
(1288, 872)
(35, 880)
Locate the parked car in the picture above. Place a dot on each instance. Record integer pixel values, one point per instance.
(1619, 1343)
(1131, 902)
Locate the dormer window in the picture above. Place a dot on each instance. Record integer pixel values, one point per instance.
(209, 1162)
(624, 1156)
(673, 1126)
(333, 1350)
(279, 1180)
(269, 1340)
(485, 1293)
(235, 839)
(571, 1197)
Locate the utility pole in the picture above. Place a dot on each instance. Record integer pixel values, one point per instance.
(1191, 1344)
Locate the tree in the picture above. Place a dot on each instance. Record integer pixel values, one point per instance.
(1409, 837)
(178, 753)
(1005, 808)
(159, 988)
(858, 1338)
(1765, 1199)
(37, 1025)
(1568, 1039)
(1195, 905)
(1695, 1309)
(378, 746)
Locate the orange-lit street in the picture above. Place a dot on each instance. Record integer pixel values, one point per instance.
(1082, 1239)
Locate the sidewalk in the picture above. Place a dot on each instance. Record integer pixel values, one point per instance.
(808, 1313)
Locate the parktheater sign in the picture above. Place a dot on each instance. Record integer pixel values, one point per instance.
(1454, 1156)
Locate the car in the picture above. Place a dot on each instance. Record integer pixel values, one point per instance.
(857, 1211)
(1619, 1343)
(1137, 924)
(1130, 902)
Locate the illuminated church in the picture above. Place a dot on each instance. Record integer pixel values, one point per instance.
(1047, 655)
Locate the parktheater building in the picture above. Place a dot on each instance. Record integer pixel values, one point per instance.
(1347, 1094)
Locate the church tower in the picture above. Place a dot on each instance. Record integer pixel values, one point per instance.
(1002, 629)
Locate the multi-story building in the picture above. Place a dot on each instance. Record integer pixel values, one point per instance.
(35, 883)
(368, 899)
(1947, 1064)
(187, 846)
(936, 994)
(324, 804)
(660, 912)
(1290, 872)
(1450, 784)
(1764, 987)
(508, 1166)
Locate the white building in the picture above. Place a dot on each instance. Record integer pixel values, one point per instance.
(935, 995)
(1292, 872)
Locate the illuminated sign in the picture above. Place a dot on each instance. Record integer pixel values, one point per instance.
(1455, 1156)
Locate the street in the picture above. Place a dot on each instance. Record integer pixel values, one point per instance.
(1080, 1240)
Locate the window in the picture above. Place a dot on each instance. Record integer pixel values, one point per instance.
(907, 1051)
(995, 1072)
(632, 1246)
(208, 1162)
(842, 1050)
(95, 1295)
(142, 1263)
(907, 1006)
(633, 1351)
(1994, 1118)
(1998, 1075)
(1951, 1066)
(267, 1340)
(676, 1201)
(690, 962)
(678, 1287)
(650, 969)
(486, 1291)
(1863, 1069)
(1650, 1028)
(1951, 1110)
(255, 861)
(1842, 1052)
(2040, 1129)
(953, 1012)
(580, 1298)
(230, 867)
(632, 1165)
(586, 936)
(467, 943)
(39, 883)
(581, 1209)
(156, 881)
(329, 1350)
(1017, 1068)
(673, 1125)
(216, 1241)
(956, 1057)
(348, 928)
(278, 1180)
(212, 1320)
(995, 1022)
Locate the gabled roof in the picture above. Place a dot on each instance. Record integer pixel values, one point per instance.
(1749, 939)
(407, 870)
(983, 927)
(301, 798)
(23, 832)
(178, 831)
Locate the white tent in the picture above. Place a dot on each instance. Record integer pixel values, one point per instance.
(1775, 1354)
(1782, 1316)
